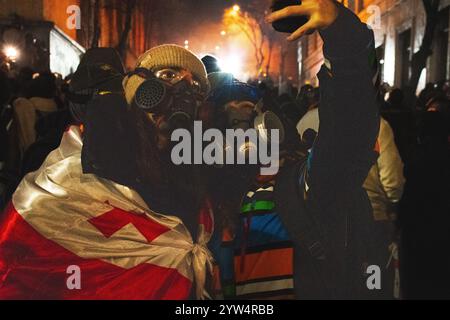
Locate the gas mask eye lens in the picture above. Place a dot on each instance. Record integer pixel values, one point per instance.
(167, 75)
(269, 121)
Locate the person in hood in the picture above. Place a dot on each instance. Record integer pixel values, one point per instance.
(100, 70)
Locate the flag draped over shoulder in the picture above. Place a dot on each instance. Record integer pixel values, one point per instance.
(60, 217)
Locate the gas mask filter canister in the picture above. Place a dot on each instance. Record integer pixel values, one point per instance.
(177, 102)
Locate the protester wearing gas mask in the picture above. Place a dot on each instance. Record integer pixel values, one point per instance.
(166, 92)
(108, 206)
(247, 226)
(240, 108)
(234, 109)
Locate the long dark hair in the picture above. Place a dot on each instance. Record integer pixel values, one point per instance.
(181, 186)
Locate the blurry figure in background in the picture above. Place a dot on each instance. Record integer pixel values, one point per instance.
(401, 120)
(22, 82)
(424, 218)
(424, 96)
(286, 87)
(6, 94)
(440, 104)
(384, 187)
(307, 98)
(100, 70)
(5, 116)
(27, 111)
(5, 111)
(443, 88)
(290, 109)
(21, 119)
(385, 88)
(267, 87)
(211, 64)
(395, 100)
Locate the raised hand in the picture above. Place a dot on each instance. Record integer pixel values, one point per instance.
(322, 13)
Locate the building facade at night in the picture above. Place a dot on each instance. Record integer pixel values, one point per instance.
(399, 27)
(35, 33)
(42, 31)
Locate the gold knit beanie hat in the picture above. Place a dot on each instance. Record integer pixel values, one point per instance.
(166, 56)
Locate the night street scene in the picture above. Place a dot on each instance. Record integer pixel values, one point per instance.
(231, 150)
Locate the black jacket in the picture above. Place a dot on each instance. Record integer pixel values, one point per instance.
(330, 189)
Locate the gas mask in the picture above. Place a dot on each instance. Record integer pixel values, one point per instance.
(178, 102)
(257, 126)
(241, 107)
(262, 121)
(265, 121)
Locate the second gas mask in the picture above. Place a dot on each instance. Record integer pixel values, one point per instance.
(262, 121)
(256, 138)
(177, 102)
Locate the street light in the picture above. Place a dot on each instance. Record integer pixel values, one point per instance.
(234, 10)
(232, 63)
(11, 52)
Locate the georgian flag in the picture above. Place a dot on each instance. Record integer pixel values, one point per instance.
(60, 218)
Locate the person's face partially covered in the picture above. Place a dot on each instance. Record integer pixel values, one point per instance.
(192, 96)
(184, 93)
(175, 75)
(239, 114)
